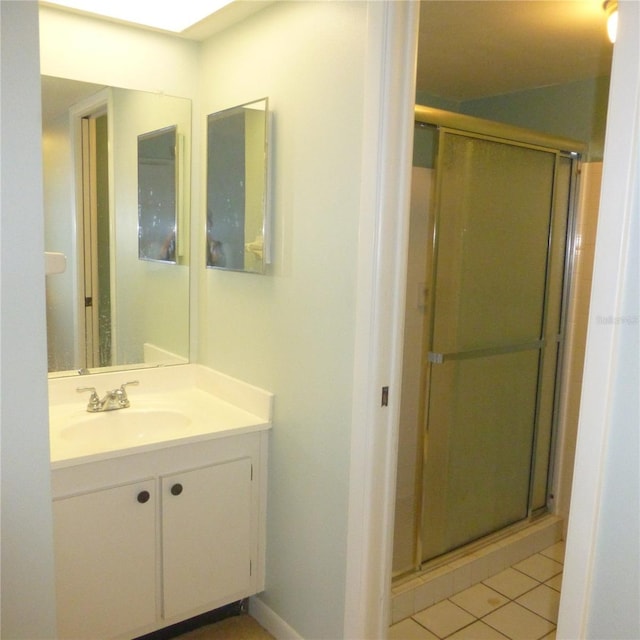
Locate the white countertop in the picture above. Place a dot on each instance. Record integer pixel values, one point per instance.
(171, 406)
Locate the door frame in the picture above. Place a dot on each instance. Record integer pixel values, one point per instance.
(388, 99)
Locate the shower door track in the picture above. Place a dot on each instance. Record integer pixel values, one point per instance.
(479, 126)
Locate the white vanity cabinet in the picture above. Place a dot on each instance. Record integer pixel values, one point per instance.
(105, 557)
(145, 540)
(206, 541)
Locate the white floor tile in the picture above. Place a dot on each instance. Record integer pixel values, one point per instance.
(518, 623)
(479, 600)
(478, 631)
(539, 567)
(409, 630)
(444, 618)
(542, 600)
(511, 583)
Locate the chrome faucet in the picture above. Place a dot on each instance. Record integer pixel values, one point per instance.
(114, 399)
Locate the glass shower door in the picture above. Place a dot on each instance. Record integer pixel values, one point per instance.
(493, 213)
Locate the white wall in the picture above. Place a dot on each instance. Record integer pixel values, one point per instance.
(601, 583)
(26, 588)
(292, 331)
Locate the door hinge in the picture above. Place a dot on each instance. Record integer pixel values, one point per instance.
(252, 473)
(88, 302)
(385, 397)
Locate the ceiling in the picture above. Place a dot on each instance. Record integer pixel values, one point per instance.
(477, 48)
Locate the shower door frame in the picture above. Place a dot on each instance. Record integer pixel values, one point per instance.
(561, 147)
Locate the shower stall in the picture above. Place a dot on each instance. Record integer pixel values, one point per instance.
(490, 236)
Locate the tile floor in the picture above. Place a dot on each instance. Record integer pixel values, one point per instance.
(520, 603)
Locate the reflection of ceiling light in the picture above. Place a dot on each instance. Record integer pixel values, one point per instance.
(168, 15)
(611, 9)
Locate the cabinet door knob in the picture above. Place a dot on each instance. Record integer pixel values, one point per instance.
(143, 497)
(176, 489)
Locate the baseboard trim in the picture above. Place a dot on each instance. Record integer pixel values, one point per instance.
(271, 621)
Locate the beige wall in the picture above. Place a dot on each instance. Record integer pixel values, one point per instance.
(409, 445)
(577, 318)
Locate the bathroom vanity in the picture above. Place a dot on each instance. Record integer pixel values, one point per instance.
(152, 527)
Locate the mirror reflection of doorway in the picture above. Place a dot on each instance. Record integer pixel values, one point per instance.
(94, 225)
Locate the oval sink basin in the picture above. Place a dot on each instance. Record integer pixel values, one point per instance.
(126, 427)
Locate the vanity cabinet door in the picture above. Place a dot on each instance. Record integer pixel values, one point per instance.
(105, 555)
(206, 537)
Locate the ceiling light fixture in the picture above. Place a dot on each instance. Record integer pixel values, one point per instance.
(168, 16)
(611, 9)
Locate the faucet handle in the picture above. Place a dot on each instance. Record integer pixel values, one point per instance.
(92, 389)
(126, 384)
(94, 399)
(123, 399)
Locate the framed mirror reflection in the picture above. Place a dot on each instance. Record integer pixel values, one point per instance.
(237, 178)
(109, 308)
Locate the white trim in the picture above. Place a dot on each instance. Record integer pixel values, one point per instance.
(602, 340)
(382, 253)
(271, 621)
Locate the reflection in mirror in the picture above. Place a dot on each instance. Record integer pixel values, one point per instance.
(157, 195)
(237, 188)
(108, 308)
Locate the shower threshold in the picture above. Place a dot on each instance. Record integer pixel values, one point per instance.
(449, 574)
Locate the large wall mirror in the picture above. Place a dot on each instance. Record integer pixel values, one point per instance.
(237, 170)
(109, 307)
